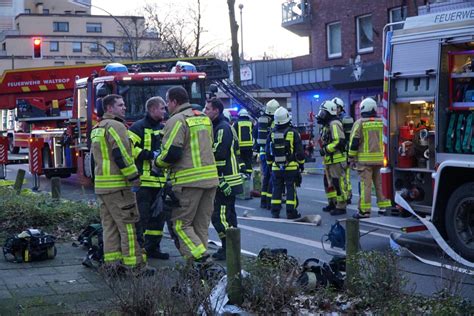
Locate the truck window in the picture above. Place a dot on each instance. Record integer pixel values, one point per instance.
(135, 96)
(82, 103)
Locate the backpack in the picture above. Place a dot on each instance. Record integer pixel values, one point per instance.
(31, 245)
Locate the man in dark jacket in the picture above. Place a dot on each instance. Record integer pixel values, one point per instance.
(230, 180)
(146, 142)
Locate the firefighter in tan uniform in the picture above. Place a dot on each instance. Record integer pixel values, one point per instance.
(333, 149)
(366, 153)
(187, 153)
(115, 174)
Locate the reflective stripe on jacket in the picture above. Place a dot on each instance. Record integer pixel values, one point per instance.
(243, 127)
(226, 150)
(334, 141)
(366, 142)
(187, 149)
(145, 135)
(288, 152)
(111, 148)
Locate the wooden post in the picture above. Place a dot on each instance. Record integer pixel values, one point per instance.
(55, 188)
(20, 176)
(352, 248)
(234, 278)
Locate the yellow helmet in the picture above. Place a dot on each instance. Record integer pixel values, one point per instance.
(271, 107)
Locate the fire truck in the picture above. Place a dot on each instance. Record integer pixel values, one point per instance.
(429, 128)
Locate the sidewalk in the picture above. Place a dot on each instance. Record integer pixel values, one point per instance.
(61, 285)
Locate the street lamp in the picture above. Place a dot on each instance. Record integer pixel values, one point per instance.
(241, 6)
(90, 5)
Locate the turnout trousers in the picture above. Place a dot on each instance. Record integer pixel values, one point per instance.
(338, 177)
(266, 191)
(149, 228)
(284, 180)
(191, 219)
(119, 214)
(246, 154)
(224, 215)
(370, 175)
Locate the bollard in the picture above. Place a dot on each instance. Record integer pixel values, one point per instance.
(234, 277)
(55, 188)
(20, 176)
(352, 248)
(3, 171)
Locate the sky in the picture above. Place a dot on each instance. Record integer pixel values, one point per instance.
(262, 31)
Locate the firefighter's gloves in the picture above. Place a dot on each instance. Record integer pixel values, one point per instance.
(225, 187)
(323, 151)
(156, 153)
(301, 168)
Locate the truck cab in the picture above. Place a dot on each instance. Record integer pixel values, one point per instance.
(136, 89)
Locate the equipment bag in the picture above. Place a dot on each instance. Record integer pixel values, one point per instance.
(337, 236)
(466, 144)
(30, 245)
(450, 139)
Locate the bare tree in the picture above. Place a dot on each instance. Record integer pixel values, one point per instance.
(180, 34)
(234, 28)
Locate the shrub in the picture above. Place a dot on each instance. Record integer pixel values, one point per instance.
(61, 218)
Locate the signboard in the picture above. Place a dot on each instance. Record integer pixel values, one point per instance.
(459, 15)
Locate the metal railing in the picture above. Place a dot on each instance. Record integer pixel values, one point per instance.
(295, 11)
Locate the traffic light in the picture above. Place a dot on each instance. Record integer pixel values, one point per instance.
(37, 48)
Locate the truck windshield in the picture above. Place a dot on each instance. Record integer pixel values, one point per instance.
(136, 95)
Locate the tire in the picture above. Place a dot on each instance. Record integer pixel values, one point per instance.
(12, 149)
(459, 220)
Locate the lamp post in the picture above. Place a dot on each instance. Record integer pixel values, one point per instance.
(133, 52)
(241, 6)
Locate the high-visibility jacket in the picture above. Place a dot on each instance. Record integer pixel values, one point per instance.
(264, 127)
(334, 142)
(243, 127)
(112, 151)
(366, 142)
(186, 149)
(226, 149)
(145, 135)
(285, 149)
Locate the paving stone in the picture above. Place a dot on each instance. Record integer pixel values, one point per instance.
(72, 288)
(63, 277)
(4, 293)
(24, 281)
(32, 292)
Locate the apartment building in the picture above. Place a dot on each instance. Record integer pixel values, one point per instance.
(69, 34)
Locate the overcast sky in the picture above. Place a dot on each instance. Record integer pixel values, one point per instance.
(261, 25)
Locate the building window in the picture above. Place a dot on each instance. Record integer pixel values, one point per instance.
(334, 40)
(94, 27)
(4, 46)
(126, 47)
(45, 11)
(61, 26)
(397, 15)
(365, 34)
(80, 62)
(110, 46)
(27, 11)
(67, 12)
(94, 47)
(59, 63)
(54, 46)
(76, 47)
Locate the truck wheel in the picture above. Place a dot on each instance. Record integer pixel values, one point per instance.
(459, 220)
(11, 148)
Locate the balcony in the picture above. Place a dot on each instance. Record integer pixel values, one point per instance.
(296, 16)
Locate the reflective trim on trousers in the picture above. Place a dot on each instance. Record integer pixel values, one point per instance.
(196, 251)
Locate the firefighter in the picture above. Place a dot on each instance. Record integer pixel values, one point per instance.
(115, 172)
(347, 123)
(333, 149)
(366, 153)
(264, 126)
(243, 126)
(186, 151)
(146, 142)
(230, 180)
(286, 156)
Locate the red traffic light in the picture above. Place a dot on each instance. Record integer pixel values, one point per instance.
(37, 48)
